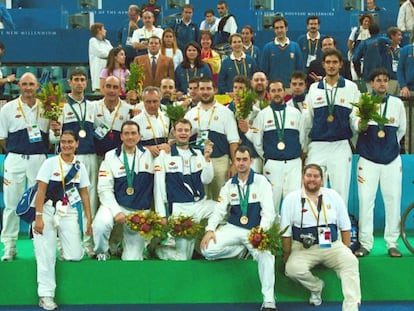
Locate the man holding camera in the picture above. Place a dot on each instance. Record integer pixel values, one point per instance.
(314, 216)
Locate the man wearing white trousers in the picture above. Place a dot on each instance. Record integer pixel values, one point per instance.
(23, 133)
(179, 182)
(327, 116)
(380, 163)
(247, 194)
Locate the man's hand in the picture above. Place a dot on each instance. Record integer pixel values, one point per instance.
(210, 235)
(55, 126)
(243, 125)
(39, 225)
(232, 171)
(208, 150)
(120, 218)
(315, 77)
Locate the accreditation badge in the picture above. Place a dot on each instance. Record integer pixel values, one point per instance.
(101, 131)
(324, 237)
(73, 196)
(34, 134)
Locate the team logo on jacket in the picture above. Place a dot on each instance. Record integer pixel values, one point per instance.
(157, 168)
(121, 118)
(199, 165)
(195, 119)
(304, 210)
(56, 174)
(122, 167)
(146, 166)
(269, 121)
(318, 99)
(233, 195)
(18, 116)
(216, 118)
(292, 55)
(70, 113)
(254, 196)
(392, 119)
(99, 115)
(342, 100)
(328, 206)
(292, 123)
(148, 127)
(171, 163)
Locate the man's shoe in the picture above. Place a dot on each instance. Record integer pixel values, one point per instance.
(394, 252)
(268, 306)
(361, 252)
(47, 303)
(316, 297)
(268, 309)
(102, 257)
(9, 254)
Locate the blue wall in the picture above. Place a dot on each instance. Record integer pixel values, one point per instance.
(43, 33)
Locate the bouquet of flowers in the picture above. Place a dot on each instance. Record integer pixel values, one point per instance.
(148, 224)
(185, 227)
(267, 240)
(52, 98)
(245, 103)
(135, 80)
(368, 107)
(263, 104)
(175, 112)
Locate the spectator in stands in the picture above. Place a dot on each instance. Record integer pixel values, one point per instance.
(281, 56)
(326, 113)
(126, 181)
(241, 85)
(249, 48)
(154, 124)
(185, 29)
(127, 29)
(141, 35)
(228, 228)
(110, 113)
(393, 57)
(359, 33)
(24, 136)
(226, 26)
(192, 66)
(311, 240)
(210, 56)
(374, 53)
(278, 136)
(99, 48)
(168, 92)
(8, 79)
(212, 121)
(154, 8)
(380, 164)
(180, 191)
(238, 63)
(210, 22)
(405, 20)
(298, 89)
(55, 217)
(310, 43)
(155, 65)
(115, 66)
(316, 71)
(372, 6)
(405, 70)
(169, 47)
(6, 21)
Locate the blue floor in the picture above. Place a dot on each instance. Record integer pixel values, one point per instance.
(367, 306)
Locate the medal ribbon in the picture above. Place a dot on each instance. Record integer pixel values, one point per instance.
(152, 128)
(236, 65)
(310, 43)
(188, 74)
(330, 101)
(129, 172)
(384, 112)
(81, 120)
(280, 128)
(244, 200)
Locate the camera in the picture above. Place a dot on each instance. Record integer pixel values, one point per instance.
(307, 240)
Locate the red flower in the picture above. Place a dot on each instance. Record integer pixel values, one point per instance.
(146, 227)
(135, 219)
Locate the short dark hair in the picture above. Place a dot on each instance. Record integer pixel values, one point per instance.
(241, 79)
(297, 74)
(277, 81)
(333, 52)
(329, 37)
(187, 6)
(373, 29)
(1, 46)
(183, 121)
(311, 18)
(205, 79)
(378, 72)
(279, 18)
(71, 133)
(77, 72)
(209, 11)
(243, 149)
(129, 122)
(314, 166)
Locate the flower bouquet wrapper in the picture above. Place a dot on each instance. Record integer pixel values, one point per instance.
(270, 240)
(367, 110)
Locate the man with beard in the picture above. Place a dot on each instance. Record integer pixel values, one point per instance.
(278, 137)
(314, 216)
(259, 85)
(244, 203)
(310, 43)
(214, 122)
(327, 111)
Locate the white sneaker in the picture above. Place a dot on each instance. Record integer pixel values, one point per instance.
(9, 254)
(102, 257)
(316, 297)
(47, 303)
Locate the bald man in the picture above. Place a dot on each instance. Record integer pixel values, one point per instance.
(24, 135)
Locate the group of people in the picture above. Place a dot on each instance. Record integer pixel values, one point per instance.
(116, 158)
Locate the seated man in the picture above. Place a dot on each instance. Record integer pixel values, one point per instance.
(312, 238)
(179, 186)
(125, 184)
(247, 193)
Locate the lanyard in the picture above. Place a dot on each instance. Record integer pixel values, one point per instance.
(19, 104)
(310, 43)
(82, 118)
(244, 199)
(209, 120)
(115, 115)
(188, 74)
(154, 135)
(129, 171)
(280, 127)
(236, 65)
(330, 101)
(310, 203)
(397, 51)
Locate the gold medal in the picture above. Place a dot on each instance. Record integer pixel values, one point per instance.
(244, 220)
(381, 134)
(330, 118)
(281, 145)
(82, 133)
(129, 191)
